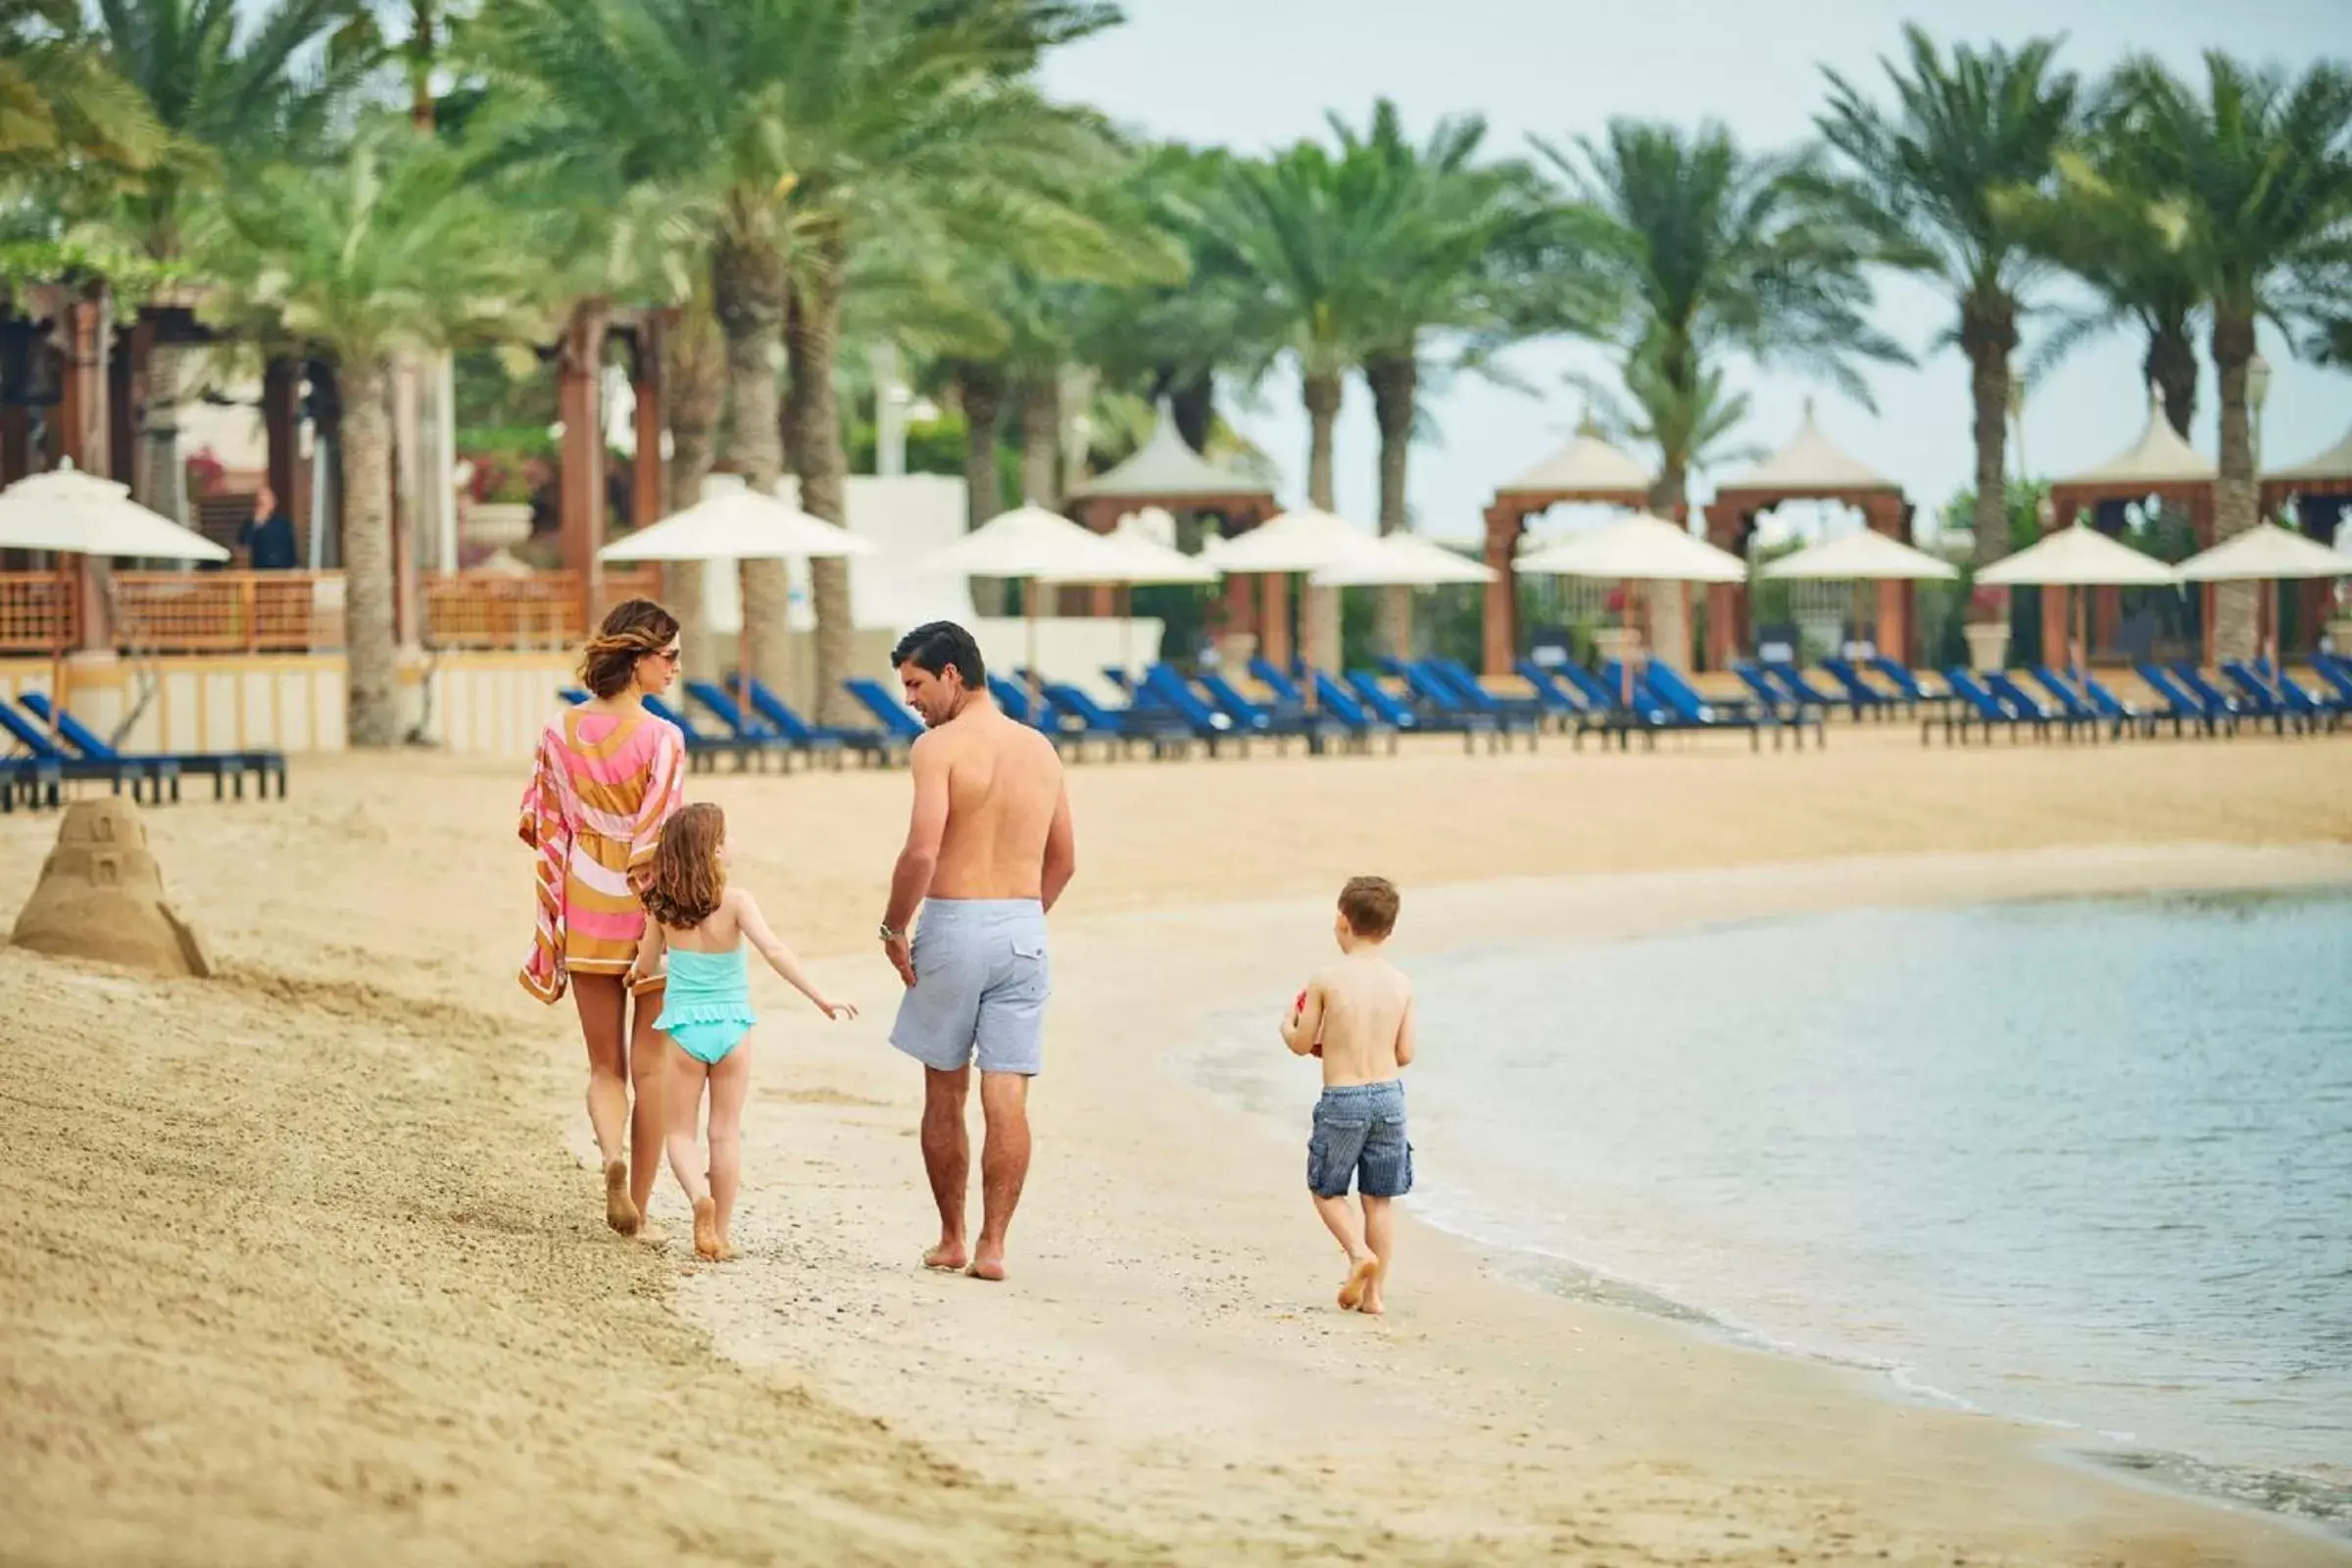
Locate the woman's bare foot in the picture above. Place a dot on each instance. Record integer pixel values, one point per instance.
(984, 1267)
(1371, 1305)
(707, 1244)
(949, 1257)
(619, 1213)
(1360, 1278)
(651, 1234)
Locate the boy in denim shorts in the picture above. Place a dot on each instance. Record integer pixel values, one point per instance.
(1358, 1016)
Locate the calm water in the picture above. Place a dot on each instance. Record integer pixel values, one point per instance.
(2085, 1162)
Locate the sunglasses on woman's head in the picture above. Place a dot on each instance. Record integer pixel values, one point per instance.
(668, 656)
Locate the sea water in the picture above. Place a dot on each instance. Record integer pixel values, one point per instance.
(2085, 1162)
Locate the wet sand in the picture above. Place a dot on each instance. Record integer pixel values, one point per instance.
(306, 1262)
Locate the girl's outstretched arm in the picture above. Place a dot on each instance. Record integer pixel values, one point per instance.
(779, 957)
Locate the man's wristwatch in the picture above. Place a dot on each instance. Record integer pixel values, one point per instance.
(889, 936)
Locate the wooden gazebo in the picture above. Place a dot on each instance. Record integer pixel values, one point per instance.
(1585, 469)
(2159, 465)
(1167, 472)
(2322, 493)
(1810, 468)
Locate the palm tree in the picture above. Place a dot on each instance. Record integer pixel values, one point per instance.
(1709, 251)
(1927, 171)
(2254, 177)
(230, 97)
(402, 246)
(1309, 228)
(1453, 269)
(61, 102)
(805, 127)
(2116, 239)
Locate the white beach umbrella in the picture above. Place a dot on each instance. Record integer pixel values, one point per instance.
(1140, 561)
(2078, 557)
(69, 512)
(72, 512)
(1865, 556)
(2265, 554)
(1401, 561)
(735, 522)
(1639, 548)
(2075, 557)
(1304, 540)
(1033, 546)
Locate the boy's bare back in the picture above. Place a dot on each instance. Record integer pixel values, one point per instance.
(1362, 1009)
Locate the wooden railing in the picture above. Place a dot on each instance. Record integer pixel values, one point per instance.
(299, 611)
(229, 612)
(36, 612)
(538, 610)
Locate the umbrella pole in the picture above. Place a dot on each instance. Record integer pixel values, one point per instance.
(2081, 633)
(69, 604)
(1029, 609)
(1127, 631)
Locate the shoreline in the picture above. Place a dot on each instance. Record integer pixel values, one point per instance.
(1265, 1307)
(2311, 1502)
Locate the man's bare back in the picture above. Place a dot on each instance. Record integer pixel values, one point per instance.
(1004, 786)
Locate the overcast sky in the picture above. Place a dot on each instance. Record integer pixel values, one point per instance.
(1256, 73)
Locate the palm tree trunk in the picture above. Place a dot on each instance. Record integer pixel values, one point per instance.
(1989, 335)
(812, 345)
(1395, 379)
(2235, 497)
(980, 388)
(695, 379)
(164, 484)
(1322, 393)
(1669, 620)
(371, 716)
(1039, 398)
(748, 292)
(2172, 366)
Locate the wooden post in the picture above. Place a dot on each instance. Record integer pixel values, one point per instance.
(1501, 630)
(127, 407)
(580, 486)
(648, 485)
(1274, 619)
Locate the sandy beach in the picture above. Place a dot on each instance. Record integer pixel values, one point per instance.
(305, 1262)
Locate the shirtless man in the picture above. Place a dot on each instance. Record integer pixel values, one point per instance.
(989, 850)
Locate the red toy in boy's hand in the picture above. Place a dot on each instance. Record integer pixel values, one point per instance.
(1299, 1011)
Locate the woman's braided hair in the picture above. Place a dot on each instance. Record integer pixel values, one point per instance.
(632, 629)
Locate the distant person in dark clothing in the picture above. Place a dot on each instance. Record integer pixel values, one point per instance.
(267, 540)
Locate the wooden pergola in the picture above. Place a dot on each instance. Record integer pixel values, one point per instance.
(1587, 470)
(1810, 468)
(1167, 472)
(64, 348)
(2160, 466)
(2321, 492)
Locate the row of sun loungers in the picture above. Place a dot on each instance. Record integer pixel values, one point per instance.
(45, 751)
(2182, 699)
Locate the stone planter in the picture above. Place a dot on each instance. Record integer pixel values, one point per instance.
(497, 524)
(1988, 644)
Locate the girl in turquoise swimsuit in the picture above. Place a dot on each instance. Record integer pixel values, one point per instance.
(702, 926)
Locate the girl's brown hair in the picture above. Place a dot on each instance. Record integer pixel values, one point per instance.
(633, 629)
(687, 879)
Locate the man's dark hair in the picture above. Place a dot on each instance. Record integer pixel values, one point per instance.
(938, 646)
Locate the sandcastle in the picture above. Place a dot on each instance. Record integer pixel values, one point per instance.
(101, 895)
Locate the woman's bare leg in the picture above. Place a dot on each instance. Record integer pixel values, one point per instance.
(683, 1099)
(649, 1071)
(730, 1085)
(602, 1004)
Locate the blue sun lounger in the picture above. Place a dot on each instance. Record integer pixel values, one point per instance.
(2213, 696)
(229, 769)
(2336, 672)
(1865, 698)
(33, 777)
(897, 721)
(2029, 708)
(1974, 703)
(786, 720)
(2182, 703)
